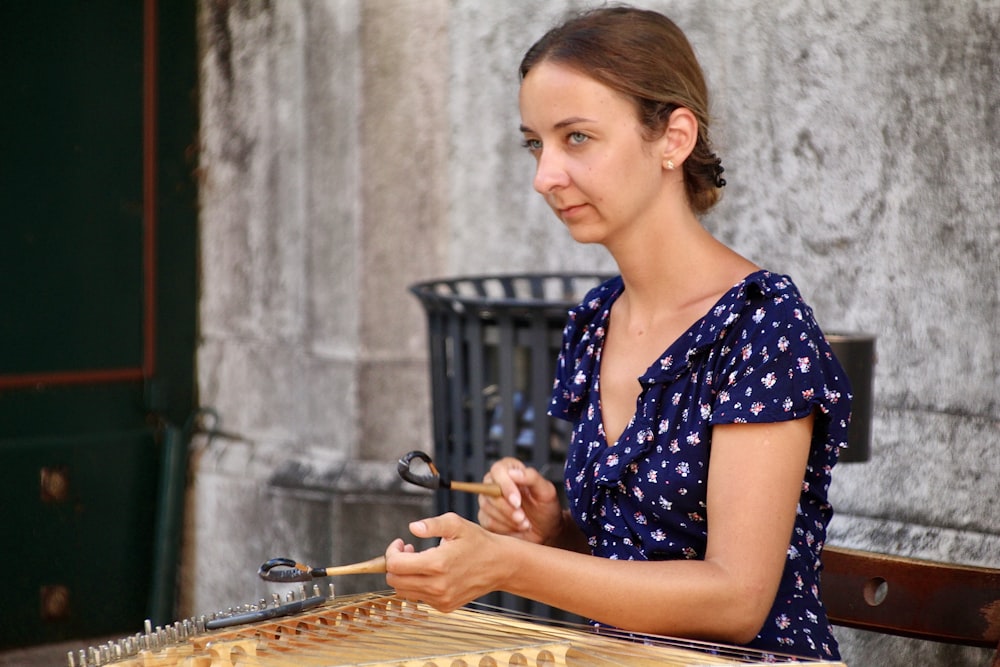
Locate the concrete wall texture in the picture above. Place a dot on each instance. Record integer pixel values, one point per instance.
(353, 147)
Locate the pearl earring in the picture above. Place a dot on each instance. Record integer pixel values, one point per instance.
(670, 165)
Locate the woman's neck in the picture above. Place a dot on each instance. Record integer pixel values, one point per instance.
(673, 268)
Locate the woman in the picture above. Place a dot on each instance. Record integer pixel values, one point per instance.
(702, 488)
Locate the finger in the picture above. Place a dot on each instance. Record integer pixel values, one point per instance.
(395, 548)
(537, 488)
(403, 560)
(399, 546)
(396, 555)
(419, 529)
(508, 473)
(446, 526)
(496, 520)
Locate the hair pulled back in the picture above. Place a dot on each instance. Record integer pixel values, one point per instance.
(645, 56)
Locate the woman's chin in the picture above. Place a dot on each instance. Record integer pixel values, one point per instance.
(584, 233)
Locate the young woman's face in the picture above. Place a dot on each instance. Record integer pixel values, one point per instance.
(594, 168)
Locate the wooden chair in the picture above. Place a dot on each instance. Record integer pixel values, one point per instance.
(910, 597)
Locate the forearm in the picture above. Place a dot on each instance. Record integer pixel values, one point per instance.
(695, 599)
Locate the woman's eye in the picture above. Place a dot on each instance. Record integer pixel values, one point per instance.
(577, 138)
(532, 145)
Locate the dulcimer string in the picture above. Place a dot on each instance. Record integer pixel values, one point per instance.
(381, 629)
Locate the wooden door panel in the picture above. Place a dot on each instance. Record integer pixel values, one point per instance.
(97, 294)
(80, 535)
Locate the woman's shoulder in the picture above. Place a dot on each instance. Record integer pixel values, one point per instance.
(764, 311)
(595, 303)
(767, 284)
(581, 342)
(764, 294)
(601, 294)
(760, 296)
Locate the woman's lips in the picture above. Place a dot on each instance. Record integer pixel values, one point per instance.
(570, 211)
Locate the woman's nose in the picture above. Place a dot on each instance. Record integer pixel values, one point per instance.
(550, 173)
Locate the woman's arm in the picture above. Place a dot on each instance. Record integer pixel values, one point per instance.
(754, 482)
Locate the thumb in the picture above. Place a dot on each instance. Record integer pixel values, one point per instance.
(536, 485)
(445, 526)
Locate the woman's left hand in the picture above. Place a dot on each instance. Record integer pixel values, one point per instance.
(464, 566)
(528, 508)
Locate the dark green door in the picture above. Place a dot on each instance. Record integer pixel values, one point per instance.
(97, 302)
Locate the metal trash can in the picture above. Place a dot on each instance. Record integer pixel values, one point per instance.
(856, 353)
(493, 343)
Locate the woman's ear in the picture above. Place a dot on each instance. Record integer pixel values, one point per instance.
(680, 137)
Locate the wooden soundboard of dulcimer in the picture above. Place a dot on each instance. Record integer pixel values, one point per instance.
(380, 630)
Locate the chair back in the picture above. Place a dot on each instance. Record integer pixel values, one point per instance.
(910, 597)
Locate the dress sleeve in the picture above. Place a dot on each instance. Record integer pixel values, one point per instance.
(566, 393)
(779, 366)
(580, 351)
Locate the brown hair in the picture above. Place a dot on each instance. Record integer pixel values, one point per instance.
(645, 56)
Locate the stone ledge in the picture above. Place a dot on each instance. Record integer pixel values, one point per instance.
(914, 540)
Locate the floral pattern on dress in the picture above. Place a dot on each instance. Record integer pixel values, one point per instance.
(756, 356)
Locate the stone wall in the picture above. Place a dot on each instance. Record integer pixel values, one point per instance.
(352, 147)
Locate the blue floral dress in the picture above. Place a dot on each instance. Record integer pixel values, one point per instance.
(757, 356)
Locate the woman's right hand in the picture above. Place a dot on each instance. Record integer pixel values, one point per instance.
(528, 507)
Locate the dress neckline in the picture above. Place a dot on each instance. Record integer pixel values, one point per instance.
(669, 359)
